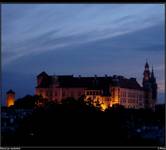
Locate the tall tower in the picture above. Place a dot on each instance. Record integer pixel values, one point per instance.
(153, 86)
(147, 86)
(10, 98)
(146, 74)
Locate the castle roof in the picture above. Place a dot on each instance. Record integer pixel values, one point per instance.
(68, 81)
(127, 83)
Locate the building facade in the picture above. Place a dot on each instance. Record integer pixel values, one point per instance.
(106, 91)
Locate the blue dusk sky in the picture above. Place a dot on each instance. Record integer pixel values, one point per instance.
(80, 39)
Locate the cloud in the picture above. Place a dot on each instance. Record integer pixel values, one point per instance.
(160, 67)
(70, 24)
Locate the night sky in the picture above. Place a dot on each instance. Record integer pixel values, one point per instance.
(80, 39)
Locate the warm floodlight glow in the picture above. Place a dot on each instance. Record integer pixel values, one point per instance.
(103, 107)
(10, 102)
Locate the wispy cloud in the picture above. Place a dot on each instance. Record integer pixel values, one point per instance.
(39, 28)
(160, 67)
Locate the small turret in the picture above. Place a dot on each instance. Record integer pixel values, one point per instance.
(10, 98)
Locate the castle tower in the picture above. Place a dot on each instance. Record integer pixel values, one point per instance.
(150, 87)
(10, 98)
(154, 87)
(147, 86)
(146, 74)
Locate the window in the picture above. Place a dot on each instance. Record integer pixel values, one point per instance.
(123, 100)
(140, 104)
(140, 100)
(130, 100)
(123, 94)
(63, 93)
(113, 94)
(128, 94)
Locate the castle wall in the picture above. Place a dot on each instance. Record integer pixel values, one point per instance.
(131, 98)
(59, 93)
(126, 92)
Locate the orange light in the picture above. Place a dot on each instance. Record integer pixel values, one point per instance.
(10, 102)
(103, 107)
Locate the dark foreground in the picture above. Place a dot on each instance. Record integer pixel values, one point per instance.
(75, 124)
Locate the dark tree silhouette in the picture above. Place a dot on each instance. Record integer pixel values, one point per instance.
(80, 123)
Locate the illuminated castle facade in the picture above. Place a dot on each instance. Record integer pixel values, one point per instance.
(107, 90)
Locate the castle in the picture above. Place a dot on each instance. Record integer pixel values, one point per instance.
(107, 90)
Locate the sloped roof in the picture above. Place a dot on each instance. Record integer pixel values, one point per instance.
(90, 82)
(127, 83)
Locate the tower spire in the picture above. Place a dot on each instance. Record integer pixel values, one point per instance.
(146, 65)
(146, 73)
(152, 75)
(152, 71)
